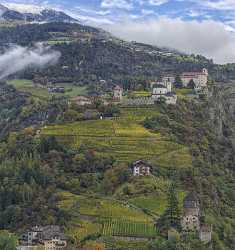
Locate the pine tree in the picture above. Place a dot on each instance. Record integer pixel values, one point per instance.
(178, 82)
(173, 206)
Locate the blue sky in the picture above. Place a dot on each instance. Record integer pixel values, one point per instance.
(194, 26)
(106, 11)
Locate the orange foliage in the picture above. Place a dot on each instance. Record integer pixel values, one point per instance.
(94, 246)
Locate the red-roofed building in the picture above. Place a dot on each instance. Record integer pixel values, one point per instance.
(199, 78)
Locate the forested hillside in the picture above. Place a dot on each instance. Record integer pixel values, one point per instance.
(90, 54)
(19, 110)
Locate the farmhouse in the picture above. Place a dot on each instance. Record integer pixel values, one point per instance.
(117, 93)
(200, 79)
(82, 100)
(141, 168)
(50, 237)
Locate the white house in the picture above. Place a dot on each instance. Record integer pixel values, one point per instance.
(141, 168)
(117, 93)
(158, 91)
(164, 90)
(168, 81)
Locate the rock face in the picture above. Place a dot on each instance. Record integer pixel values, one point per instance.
(221, 112)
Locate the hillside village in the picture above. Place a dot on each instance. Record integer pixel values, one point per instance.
(161, 90)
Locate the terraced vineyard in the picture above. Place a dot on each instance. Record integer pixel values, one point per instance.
(125, 228)
(124, 138)
(105, 217)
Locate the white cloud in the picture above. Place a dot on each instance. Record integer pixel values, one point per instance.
(209, 38)
(157, 2)
(120, 4)
(18, 58)
(219, 5)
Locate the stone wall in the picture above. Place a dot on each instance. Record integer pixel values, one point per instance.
(138, 101)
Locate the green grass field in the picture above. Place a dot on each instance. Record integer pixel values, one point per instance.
(124, 138)
(27, 86)
(183, 92)
(141, 93)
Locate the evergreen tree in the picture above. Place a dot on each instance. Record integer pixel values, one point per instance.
(191, 84)
(178, 82)
(173, 206)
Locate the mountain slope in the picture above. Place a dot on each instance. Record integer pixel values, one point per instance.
(30, 13)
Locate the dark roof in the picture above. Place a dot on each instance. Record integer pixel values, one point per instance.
(191, 201)
(51, 232)
(170, 94)
(157, 85)
(140, 162)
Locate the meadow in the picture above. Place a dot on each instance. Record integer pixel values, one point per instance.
(42, 93)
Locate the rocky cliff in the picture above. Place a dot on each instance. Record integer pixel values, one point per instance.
(221, 113)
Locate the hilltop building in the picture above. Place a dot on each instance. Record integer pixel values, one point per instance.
(200, 79)
(159, 90)
(168, 81)
(164, 90)
(141, 168)
(50, 237)
(118, 93)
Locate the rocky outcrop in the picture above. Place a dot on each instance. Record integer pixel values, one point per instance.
(221, 109)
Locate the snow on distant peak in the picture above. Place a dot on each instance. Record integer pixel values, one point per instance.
(25, 8)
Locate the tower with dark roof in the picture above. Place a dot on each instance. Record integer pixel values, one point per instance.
(191, 213)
